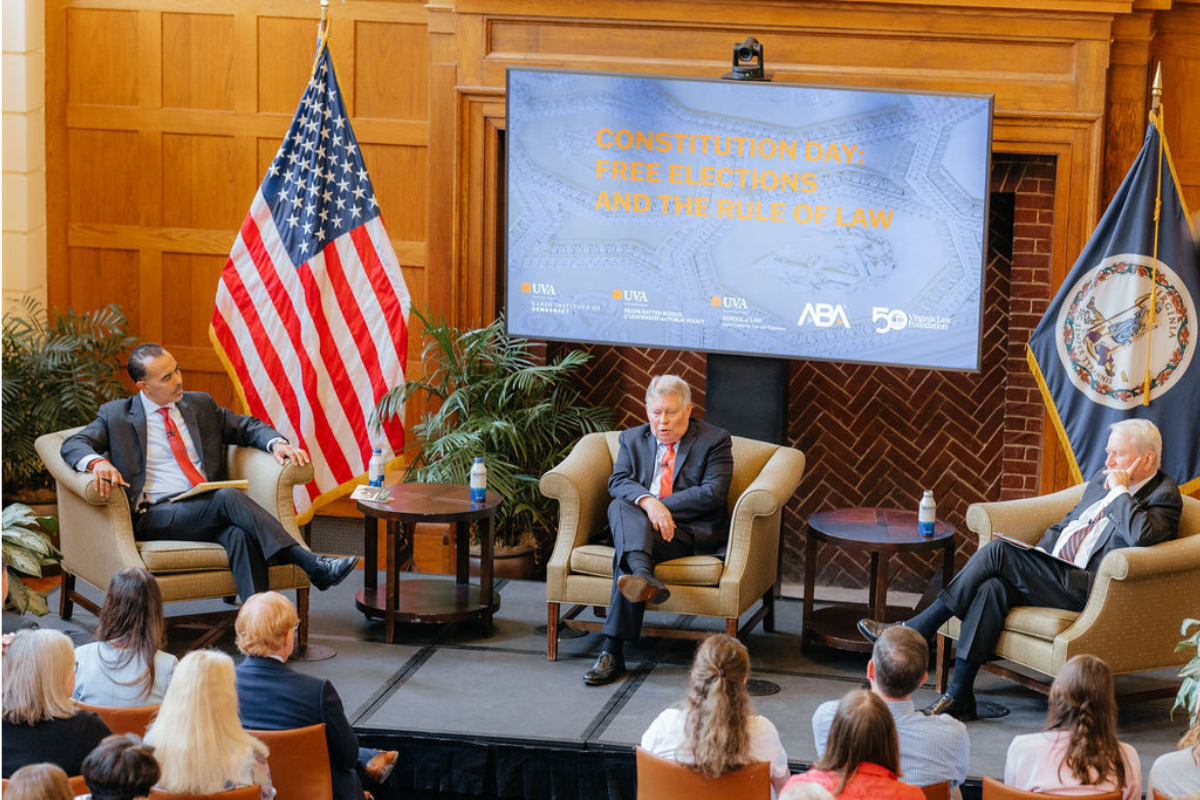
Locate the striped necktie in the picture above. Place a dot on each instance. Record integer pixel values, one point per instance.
(1076, 539)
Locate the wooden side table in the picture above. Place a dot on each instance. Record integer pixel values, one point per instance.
(429, 599)
(879, 531)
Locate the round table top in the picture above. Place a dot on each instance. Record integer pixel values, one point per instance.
(431, 502)
(877, 529)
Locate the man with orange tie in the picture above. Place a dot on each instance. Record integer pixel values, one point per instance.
(1129, 503)
(668, 487)
(163, 441)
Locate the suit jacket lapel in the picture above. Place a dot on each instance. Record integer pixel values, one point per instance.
(649, 455)
(193, 426)
(685, 446)
(137, 418)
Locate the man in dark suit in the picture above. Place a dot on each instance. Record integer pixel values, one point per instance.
(271, 697)
(1130, 503)
(668, 487)
(161, 442)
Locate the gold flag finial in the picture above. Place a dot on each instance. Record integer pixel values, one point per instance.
(1156, 90)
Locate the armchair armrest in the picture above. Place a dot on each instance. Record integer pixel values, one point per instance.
(1025, 519)
(752, 555)
(271, 483)
(580, 485)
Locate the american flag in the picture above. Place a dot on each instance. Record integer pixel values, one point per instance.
(311, 310)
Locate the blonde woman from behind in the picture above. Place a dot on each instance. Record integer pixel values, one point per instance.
(197, 738)
(716, 731)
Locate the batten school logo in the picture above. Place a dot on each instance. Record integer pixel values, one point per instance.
(1105, 336)
(730, 303)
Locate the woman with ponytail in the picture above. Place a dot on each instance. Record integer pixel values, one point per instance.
(715, 731)
(1077, 752)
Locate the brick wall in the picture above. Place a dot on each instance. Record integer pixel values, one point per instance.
(880, 435)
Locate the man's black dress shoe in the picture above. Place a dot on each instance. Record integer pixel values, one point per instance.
(642, 589)
(872, 630)
(332, 571)
(961, 710)
(608, 667)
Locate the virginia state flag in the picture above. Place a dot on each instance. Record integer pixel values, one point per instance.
(1119, 338)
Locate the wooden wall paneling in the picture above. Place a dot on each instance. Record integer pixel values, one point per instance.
(1177, 47)
(481, 116)
(284, 61)
(103, 169)
(190, 281)
(394, 79)
(101, 49)
(1129, 79)
(101, 276)
(441, 287)
(199, 71)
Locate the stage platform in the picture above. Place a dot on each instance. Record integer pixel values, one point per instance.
(492, 717)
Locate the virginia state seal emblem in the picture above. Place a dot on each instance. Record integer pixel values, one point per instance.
(1105, 336)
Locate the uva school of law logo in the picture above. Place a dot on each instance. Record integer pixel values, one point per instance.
(1105, 337)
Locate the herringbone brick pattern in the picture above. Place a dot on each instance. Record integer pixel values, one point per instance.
(878, 436)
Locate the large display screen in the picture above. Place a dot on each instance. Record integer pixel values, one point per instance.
(761, 218)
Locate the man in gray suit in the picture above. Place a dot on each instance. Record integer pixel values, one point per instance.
(668, 486)
(163, 441)
(1130, 503)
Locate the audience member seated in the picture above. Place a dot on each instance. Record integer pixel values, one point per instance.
(124, 666)
(805, 791)
(200, 745)
(1078, 747)
(38, 782)
(862, 756)
(1178, 774)
(41, 721)
(120, 769)
(272, 697)
(933, 748)
(715, 731)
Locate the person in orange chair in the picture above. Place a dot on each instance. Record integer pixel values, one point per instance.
(124, 666)
(1130, 503)
(121, 769)
(199, 743)
(668, 485)
(273, 697)
(163, 441)
(715, 731)
(1078, 749)
(862, 757)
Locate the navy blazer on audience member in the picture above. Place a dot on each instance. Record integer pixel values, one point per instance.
(273, 697)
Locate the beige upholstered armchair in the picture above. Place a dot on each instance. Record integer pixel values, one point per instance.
(97, 536)
(1132, 618)
(580, 574)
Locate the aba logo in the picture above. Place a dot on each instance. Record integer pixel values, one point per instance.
(1121, 317)
(732, 303)
(823, 315)
(629, 295)
(544, 289)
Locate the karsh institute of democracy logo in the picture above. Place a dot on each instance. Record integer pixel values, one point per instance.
(1104, 325)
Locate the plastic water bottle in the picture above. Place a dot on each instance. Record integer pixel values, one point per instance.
(478, 481)
(375, 468)
(926, 514)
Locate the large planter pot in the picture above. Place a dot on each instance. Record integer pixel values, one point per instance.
(517, 563)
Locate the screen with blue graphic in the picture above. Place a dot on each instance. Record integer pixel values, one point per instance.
(760, 218)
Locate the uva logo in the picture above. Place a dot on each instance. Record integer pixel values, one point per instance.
(736, 303)
(824, 315)
(630, 295)
(546, 289)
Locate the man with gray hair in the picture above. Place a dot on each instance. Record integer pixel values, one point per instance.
(1129, 503)
(668, 486)
(932, 748)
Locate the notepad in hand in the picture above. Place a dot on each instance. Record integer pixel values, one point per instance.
(212, 486)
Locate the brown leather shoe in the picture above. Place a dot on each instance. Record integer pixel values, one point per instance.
(962, 709)
(872, 630)
(380, 766)
(642, 589)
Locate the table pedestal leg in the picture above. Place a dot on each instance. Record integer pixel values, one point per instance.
(392, 580)
(810, 583)
(487, 541)
(370, 553)
(881, 586)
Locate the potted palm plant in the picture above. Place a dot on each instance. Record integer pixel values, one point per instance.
(57, 373)
(494, 398)
(27, 550)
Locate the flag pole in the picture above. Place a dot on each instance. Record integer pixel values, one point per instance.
(1156, 120)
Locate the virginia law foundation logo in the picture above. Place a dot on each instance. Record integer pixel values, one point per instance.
(544, 289)
(1106, 338)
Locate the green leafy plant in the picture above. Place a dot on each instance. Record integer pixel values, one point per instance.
(496, 400)
(1188, 697)
(57, 372)
(27, 547)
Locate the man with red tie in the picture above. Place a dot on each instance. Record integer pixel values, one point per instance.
(163, 441)
(668, 486)
(1130, 503)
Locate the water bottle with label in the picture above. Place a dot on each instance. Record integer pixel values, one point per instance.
(375, 468)
(926, 514)
(478, 481)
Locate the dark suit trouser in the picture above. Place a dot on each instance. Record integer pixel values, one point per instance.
(247, 531)
(632, 531)
(1000, 577)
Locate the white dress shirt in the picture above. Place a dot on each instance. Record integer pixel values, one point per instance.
(1093, 536)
